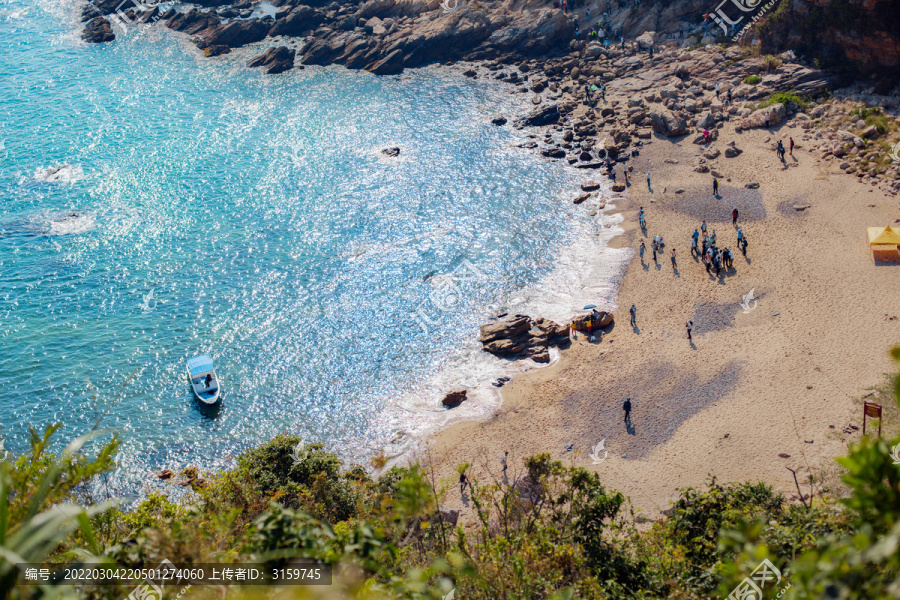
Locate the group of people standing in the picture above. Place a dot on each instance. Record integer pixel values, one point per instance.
(711, 254)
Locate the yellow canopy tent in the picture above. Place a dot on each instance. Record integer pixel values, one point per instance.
(885, 244)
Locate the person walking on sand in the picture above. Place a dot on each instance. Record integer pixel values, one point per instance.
(503, 460)
(642, 219)
(648, 181)
(463, 482)
(734, 216)
(792, 146)
(707, 262)
(703, 226)
(689, 325)
(633, 311)
(641, 251)
(717, 90)
(740, 235)
(674, 266)
(693, 246)
(744, 245)
(626, 406)
(655, 248)
(715, 187)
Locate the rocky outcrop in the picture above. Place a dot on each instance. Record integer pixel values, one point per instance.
(548, 115)
(392, 152)
(772, 114)
(296, 21)
(98, 31)
(520, 336)
(667, 123)
(275, 60)
(236, 33)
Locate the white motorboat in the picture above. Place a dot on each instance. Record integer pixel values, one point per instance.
(203, 378)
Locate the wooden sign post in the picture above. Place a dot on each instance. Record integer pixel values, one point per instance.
(870, 409)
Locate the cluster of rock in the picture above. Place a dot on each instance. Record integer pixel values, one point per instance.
(844, 138)
(672, 95)
(381, 36)
(522, 336)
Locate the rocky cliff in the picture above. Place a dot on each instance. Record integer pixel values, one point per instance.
(856, 37)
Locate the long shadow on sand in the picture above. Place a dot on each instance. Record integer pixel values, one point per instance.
(671, 395)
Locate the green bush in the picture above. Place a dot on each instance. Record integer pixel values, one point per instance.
(752, 79)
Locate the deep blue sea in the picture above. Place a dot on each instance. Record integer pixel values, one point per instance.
(157, 205)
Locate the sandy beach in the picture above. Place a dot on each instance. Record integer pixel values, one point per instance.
(777, 379)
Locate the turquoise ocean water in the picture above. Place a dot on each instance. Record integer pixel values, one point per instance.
(157, 205)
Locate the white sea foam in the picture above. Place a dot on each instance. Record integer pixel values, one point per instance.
(587, 271)
(64, 173)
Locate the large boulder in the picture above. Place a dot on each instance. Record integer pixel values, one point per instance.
(646, 39)
(98, 31)
(276, 60)
(454, 398)
(297, 21)
(237, 33)
(389, 65)
(757, 118)
(667, 123)
(510, 327)
(547, 115)
(520, 335)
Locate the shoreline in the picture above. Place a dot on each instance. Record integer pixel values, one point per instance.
(775, 381)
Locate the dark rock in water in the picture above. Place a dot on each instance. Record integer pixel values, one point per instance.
(618, 187)
(277, 60)
(499, 121)
(520, 334)
(165, 474)
(547, 115)
(591, 165)
(98, 31)
(389, 65)
(392, 152)
(581, 198)
(553, 153)
(89, 12)
(216, 51)
(590, 186)
(454, 398)
(470, 73)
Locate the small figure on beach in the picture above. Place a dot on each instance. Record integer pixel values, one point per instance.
(674, 265)
(792, 146)
(715, 187)
(626, 406)
(690, 326)
(717, 90)
(463, 482)
(740, 235)
(707, 262)
(503, 461)
(693, 245)
(633, 311)
(648, 181)
(641, 219)
(703, 226)
(744, 245)
(642, 248)
(655, 248)
(734, 216)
